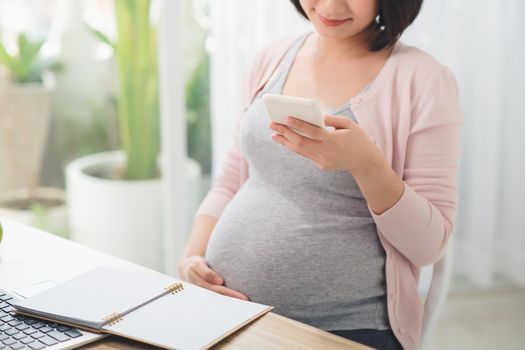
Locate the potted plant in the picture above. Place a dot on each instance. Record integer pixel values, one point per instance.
(114, 198)
(26, 89)
(24, 113)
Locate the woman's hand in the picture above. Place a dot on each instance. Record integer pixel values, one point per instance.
(345, 148)
(195, 269)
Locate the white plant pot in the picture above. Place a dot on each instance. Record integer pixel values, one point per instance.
(122, 218)
(24, 122)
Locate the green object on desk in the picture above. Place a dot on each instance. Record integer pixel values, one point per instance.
(1, 232)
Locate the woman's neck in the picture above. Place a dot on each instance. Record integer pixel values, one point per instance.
(333, 49)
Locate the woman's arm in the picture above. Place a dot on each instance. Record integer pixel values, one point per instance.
(380, 185)
(421, 221)
(199, 236)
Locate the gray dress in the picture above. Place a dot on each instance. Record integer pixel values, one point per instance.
(299, 238)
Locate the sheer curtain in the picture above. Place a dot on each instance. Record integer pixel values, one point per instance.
(479, 41)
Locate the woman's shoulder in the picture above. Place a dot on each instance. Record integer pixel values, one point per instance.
(420, 68)
(415, 62)
(431, 83)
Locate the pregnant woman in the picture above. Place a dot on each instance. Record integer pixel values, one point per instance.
(333, 227)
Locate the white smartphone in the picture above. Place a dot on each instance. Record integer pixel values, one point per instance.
(279, 107)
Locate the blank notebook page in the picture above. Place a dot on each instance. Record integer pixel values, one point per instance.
(92, 296)
(193, 318)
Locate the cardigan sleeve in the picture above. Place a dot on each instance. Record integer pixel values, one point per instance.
(227, 182)
(421, 222)
(233, 171)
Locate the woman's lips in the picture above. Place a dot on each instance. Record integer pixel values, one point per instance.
(330, 22)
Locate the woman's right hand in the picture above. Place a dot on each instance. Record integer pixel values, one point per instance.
(195, 269)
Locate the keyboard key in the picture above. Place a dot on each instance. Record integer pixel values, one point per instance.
(48, 341)
(22, 326)
(58, 336)
(17, 346)
(30, 321)
(74, 333)
(14, 323)
(38, 325)
(36, 345)
(4, 304)
(9, 341)
(19, 336)
(11, 331)
(53, 324)
(7, 318)
(45, 329)
(4, 337)
(9, 309)
(4, 327)
(26, 340)
(63, 328)
(37, 335)
(30, 330)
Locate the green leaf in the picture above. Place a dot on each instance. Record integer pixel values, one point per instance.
(26, 65)
(101, 36)
(1, 232)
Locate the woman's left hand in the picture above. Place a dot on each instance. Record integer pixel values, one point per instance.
(345, 148)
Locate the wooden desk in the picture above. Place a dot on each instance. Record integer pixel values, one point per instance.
(28, 255)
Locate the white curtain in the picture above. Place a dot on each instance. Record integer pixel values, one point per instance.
(482, 43)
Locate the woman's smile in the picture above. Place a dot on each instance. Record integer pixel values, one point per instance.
(332, 22)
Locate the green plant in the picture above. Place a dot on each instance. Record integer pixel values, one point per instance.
(27, 65)
(198, 114)
(135, 49)
(1, 232)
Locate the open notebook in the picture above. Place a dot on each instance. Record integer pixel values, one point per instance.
(148, 307)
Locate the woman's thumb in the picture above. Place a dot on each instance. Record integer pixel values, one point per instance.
(337, 121)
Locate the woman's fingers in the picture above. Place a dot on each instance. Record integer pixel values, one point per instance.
(338, 122)
(228, 292)
(309, 130)
(286, 132)
(196, 271)
(207, 274)
(297, 148)
(199, 281)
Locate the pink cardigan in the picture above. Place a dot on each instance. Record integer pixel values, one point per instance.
(412, 113)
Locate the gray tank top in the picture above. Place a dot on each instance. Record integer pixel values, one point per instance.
(299, 238)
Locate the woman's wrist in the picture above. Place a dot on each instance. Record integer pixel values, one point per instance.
(380, 185)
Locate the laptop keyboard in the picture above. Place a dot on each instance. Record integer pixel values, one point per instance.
(19, 332)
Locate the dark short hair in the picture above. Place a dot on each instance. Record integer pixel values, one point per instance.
(395, 16)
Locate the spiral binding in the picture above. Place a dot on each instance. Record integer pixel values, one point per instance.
(174, 288)
(116, 317)
(113, 318)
